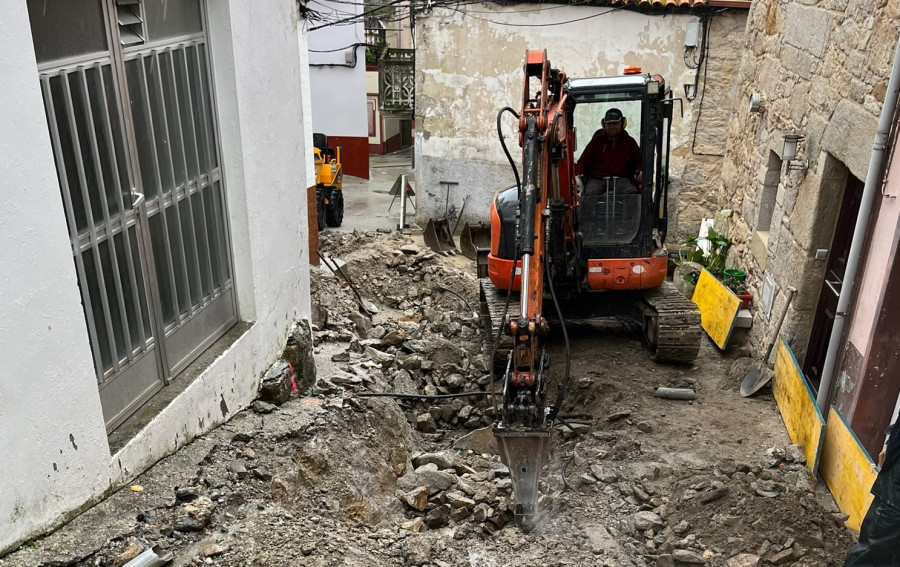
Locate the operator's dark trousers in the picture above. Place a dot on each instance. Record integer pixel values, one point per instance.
(879, 538)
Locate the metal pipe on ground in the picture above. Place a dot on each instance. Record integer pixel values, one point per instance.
(685, 394)
(873, 180)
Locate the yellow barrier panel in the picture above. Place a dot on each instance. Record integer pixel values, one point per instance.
(801, 416)
(718, 308)
(847, 469)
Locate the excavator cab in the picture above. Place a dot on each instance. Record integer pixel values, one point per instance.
(621, 223)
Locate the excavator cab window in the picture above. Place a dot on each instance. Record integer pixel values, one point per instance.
(611, 211)
(588, 120)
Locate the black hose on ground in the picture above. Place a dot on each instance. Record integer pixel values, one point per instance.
(457, 294)
(422, 396)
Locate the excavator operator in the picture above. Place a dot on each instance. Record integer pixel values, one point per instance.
(611, 160)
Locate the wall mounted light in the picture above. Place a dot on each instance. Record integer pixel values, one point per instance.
(789, 152)
(756, 105)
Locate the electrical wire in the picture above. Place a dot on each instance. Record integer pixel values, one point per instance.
(705, 59)
(338, 48)
(519, 25)
(357, 17)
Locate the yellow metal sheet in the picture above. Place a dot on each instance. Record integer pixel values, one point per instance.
(847, 469)
(718, 308)
(801, 416)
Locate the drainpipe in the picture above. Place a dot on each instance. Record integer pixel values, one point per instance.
(873, 181)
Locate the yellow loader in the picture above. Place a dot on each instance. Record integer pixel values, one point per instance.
(329, 177)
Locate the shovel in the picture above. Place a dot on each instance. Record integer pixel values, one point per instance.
(367, 305)
(754, 379)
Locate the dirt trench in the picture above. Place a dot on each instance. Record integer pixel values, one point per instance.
(334, 478)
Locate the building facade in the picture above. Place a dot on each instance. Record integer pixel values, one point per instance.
(458, 92)
(151, 164)
(815, 77)
(337, 70)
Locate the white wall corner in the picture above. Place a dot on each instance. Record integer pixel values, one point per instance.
(53, 437)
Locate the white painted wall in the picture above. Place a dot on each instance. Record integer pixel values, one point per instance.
(52, 437)
(306, 101)
(338, 91)
(55, 453)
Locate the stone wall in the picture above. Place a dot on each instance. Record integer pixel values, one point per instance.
(470, 66)
(822, 69)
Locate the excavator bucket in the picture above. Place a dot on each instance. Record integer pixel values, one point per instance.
(475, 243)
(438, 237)
(524, 452)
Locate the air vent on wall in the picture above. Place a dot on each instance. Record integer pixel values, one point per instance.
(131, 22)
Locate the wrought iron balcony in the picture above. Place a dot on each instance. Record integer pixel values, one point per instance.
(397, 81)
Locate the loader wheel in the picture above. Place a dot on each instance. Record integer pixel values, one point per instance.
(321, 208)
(334, 212)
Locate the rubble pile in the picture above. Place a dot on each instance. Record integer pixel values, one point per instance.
(427, 339)
(334, 477)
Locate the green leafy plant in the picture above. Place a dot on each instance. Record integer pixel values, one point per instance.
(714, 260)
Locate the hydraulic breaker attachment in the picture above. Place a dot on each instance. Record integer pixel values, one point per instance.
(524, 451)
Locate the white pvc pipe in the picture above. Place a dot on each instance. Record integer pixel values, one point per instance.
(873, 182)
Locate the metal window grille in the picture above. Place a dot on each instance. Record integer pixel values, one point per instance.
(134, 136)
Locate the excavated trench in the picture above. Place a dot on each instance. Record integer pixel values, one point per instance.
(337, 478)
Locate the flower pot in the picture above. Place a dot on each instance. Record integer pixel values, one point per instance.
(745, 298)
(734, 276)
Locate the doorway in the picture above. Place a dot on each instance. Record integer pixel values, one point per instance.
(835, 268)
(128, 94)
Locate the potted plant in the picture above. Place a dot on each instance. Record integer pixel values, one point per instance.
(709, 252)
(734, 280)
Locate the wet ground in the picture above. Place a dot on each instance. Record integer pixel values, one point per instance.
(368, 203)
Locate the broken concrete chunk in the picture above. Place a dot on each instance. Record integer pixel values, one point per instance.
(442, 460)
(744, 560)
(275, 387)
(425, 423)
(362, 323)
(263, 407)
(781, 557)
(194, 517)
(416, 498)
(382, 358)
(479, 441)
(438, 517)
(299, 352)
(687, 556)
(647, 520)
(394, 338)
(415, 525)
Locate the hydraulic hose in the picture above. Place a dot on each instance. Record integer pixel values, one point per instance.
(503, 144)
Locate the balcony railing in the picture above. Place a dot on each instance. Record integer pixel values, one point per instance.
(397, 81)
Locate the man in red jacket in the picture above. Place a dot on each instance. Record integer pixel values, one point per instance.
(612, 152)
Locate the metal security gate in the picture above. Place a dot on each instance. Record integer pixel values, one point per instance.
(130, 106)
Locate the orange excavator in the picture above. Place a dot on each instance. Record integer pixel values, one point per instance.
(582, 250)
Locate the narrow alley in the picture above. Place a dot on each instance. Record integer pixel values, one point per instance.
(335, 478)
(357, 283)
